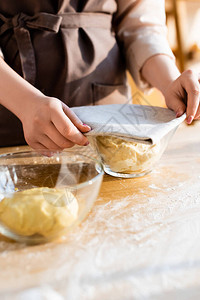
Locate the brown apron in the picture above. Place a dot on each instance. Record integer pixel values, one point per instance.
(67, 49)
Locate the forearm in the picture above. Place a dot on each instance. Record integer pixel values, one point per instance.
(160, 70)
(47, 122)
(15, 92)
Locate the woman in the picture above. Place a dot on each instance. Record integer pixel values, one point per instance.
(73, 53)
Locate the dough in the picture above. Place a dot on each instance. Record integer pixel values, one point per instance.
(43, 211)
(127, 157)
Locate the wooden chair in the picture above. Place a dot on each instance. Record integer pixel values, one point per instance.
(172, 10)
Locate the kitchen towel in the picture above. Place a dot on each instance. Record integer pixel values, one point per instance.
(140, 123)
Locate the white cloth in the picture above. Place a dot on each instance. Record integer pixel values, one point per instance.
(140, 123)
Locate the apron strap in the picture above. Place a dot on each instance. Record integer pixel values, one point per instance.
(21, 23)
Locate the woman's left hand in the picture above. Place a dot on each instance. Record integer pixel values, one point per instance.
(183, 95)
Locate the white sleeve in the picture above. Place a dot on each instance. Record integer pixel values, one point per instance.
(141, 29)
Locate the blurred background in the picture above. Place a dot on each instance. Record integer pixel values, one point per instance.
(183, 23)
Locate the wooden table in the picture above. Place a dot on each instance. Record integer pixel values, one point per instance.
(141, 240)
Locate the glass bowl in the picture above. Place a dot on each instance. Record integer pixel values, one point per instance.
(43, 197)
(128, 159)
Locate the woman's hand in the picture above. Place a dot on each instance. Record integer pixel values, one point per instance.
(50, 124)
(181, 91)
(183, 95)
(47, 122)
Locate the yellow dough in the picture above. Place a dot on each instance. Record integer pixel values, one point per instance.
(127, 157)
(43, 211)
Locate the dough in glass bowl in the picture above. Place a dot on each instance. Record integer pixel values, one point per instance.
(44, 211)
(125, 156)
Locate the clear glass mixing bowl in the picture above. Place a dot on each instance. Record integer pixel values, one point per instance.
(43, 197)
(127, 159)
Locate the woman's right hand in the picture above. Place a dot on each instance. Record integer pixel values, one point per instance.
(50, 124)
(47, 122)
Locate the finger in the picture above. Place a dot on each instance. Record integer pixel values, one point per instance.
(197, 116)
(48, 143)
(38, 146)
(191, 84)
(57, 137)
(197, 113)
(178, 107)
(75, 119)
(41, 149)
(65, 126)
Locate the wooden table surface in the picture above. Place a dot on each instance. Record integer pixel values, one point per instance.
(141, 240)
